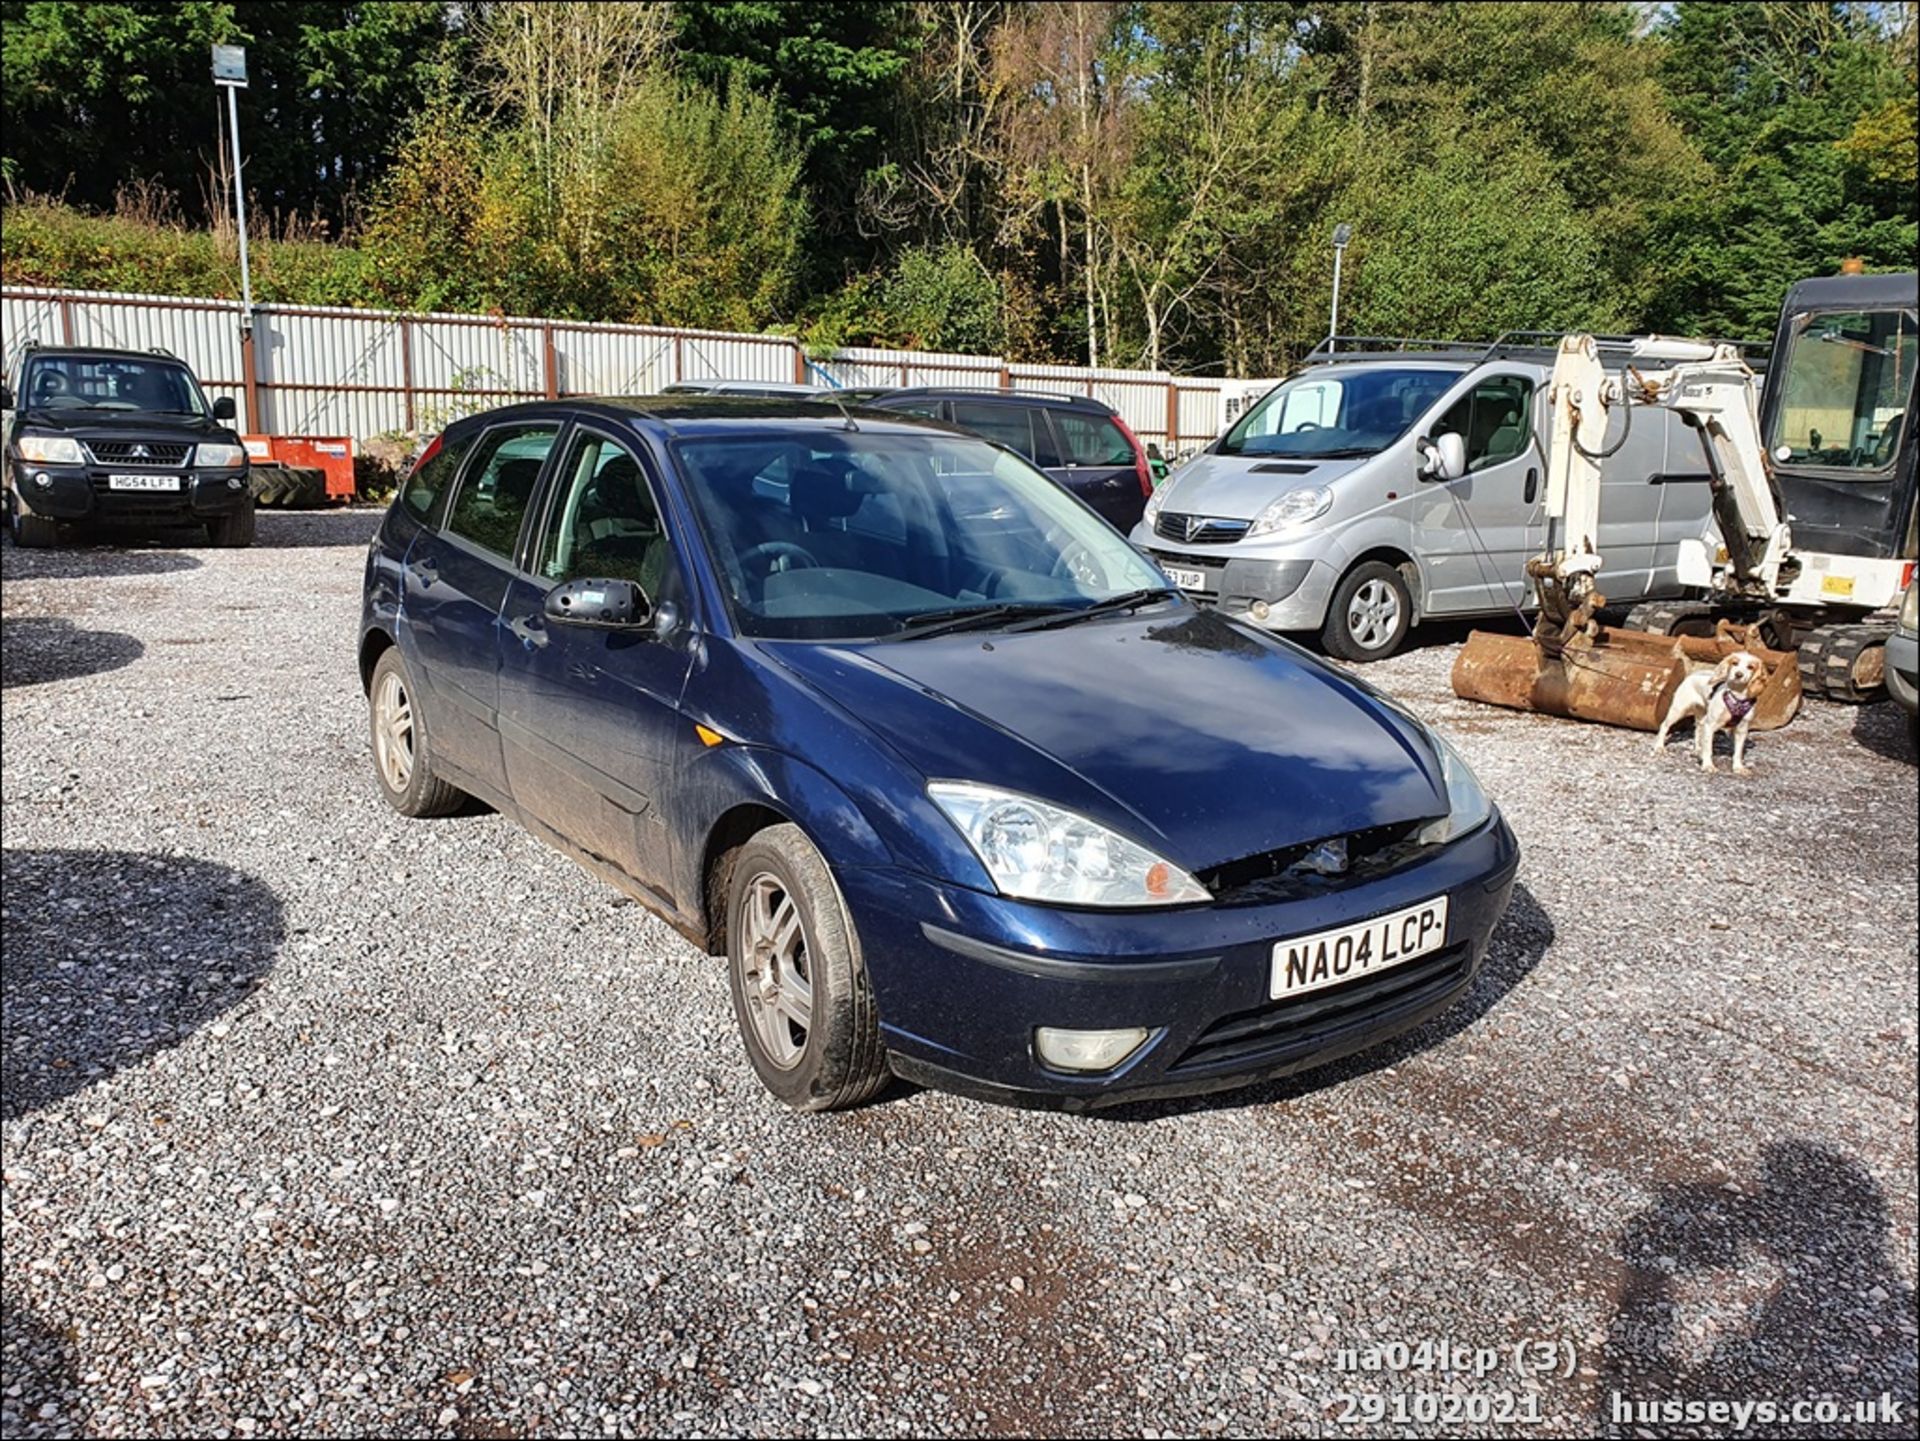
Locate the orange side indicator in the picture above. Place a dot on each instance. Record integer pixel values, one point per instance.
(708, 736)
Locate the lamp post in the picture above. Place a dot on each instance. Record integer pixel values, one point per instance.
(230, 75)
(1342, 233)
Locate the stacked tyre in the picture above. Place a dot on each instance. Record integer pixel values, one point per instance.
(289, 487)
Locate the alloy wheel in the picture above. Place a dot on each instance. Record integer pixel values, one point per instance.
(776, 978)
(1373, 615)
(393, 732)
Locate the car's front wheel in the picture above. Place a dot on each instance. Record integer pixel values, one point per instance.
(1370, 615)
(30, 531)
(234, 530)
(800, 993)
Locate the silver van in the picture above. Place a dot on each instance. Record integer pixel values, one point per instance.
(1374, 490)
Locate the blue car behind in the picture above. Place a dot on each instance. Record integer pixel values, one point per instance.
(959, 787)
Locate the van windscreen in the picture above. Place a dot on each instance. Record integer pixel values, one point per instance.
(1333, 412)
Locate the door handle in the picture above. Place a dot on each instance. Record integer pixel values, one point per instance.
(1533, 484)
(531, 630)
(425, 570)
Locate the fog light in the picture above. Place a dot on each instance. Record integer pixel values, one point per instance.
(234, 482)
(1087, 1050)
(43, 480)
(1261, 610)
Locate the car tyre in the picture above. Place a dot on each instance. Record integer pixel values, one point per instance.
(801, 996)
(233, 531)
(402, 751)
(1370, 614)
(29, 531)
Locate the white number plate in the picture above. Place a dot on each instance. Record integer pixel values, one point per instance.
(1186, 579)
(1308, 963)
(143, 482)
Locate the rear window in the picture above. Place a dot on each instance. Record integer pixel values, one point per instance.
(1021, 428)
(428, 484)
(1091, 439)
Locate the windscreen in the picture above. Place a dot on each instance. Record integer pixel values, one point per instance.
(1332, 412)
(78, 382)
(847, 534)
(1844, 389)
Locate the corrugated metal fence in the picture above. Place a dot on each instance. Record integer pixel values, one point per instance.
(305, 370)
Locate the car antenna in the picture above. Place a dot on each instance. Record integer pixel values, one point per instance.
(845, 414)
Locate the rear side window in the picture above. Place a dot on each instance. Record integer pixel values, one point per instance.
(1091, 439)
(1020, 428)
(499, 487)
(427, 487)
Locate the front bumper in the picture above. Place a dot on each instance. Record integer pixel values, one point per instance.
(1295, 590)
(963, 978)
(83, 493)
(1903, 670)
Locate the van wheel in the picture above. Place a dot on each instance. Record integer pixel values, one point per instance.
(1371, 612)
(801, 997)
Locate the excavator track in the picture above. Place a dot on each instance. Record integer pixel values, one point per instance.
(1845, 663)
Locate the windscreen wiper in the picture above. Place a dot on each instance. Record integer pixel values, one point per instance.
(1127, 600)
(971, 617)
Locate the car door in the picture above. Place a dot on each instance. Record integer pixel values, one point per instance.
(1099, 464)
(589, 718)
(454, 582)
(1476, 533)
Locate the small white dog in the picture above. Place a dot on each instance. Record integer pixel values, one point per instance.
(1717, 700)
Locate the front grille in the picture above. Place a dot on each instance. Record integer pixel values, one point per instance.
(138, 452)
(1288, 875)
(1199, 529)
(1276, 1033)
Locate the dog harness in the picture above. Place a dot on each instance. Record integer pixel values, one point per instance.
(1737, 705)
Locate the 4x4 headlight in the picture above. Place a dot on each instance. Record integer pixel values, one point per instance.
(1040, 852)
(50, 449)
(1295, 508)
(215, 455)
(1467, 803)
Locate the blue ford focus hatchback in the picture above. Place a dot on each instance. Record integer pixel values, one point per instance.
(961, 789)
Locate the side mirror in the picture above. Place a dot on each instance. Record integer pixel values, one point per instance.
(6, 397)
(1446, 457)
(606, 604)
(223, 408)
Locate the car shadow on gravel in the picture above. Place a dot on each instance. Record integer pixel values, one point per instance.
(39, 648)
(305, 529)
(96, 557)
(1886, 730)
(39, 1382)
(1518, 943)
(1781, 1286)
(112, 956)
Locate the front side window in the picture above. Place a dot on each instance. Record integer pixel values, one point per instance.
(1844, 389)
(77, 382)
(1492, 419)
(1318, 416)
(493, 499)
(841, 534)
(605, 523)
(1091, 439)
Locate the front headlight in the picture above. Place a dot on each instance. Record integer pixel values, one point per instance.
(1910, 609)
(1295, 508)
(1155, 501)
(1467, 804)
(1040, 852)
(213, 455)
(50, 449)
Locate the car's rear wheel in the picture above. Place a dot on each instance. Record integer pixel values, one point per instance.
(1371, 612)
(234, 530)
(800, 992)
(402, 753)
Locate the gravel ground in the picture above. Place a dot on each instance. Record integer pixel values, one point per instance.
(321, 1121)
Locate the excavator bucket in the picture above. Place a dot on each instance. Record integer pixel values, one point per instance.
(1618, 677)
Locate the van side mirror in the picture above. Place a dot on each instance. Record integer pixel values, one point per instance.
(1445, 457)
(223, 408)
(604, 604)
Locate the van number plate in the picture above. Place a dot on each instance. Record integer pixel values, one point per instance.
(1186, 579)
(1330, 958)
(143, 482)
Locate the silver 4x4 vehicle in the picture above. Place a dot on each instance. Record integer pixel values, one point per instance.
(119, 437)
(1338, 505)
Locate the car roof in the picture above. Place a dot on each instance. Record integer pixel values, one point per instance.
(98, 352)
(710, 414)
(1057, 400)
